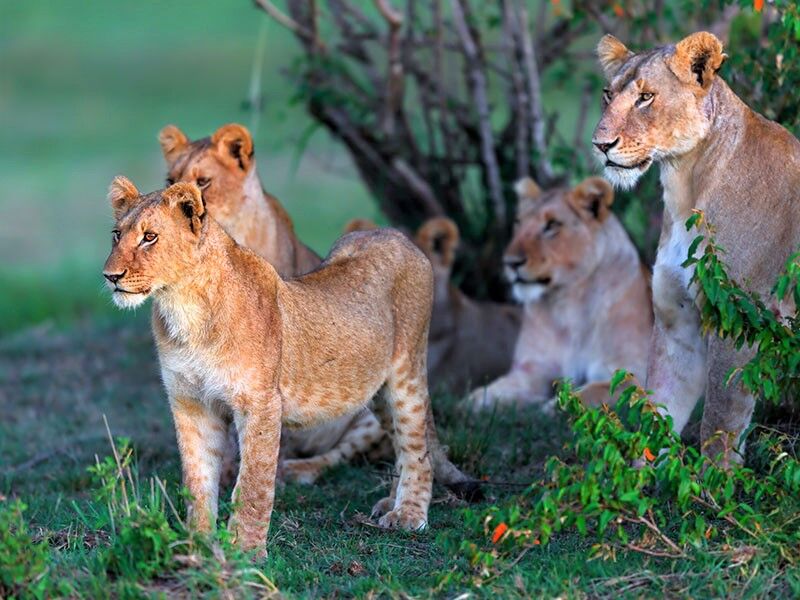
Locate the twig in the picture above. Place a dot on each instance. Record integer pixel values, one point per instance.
(284, 19)
(475, 69)
(393, 96)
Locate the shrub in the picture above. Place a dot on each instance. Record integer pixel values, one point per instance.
(23, 561)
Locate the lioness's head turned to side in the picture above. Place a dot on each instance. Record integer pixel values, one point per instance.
(555, 241)
(219, 165)
(155, 239)
(655, 105)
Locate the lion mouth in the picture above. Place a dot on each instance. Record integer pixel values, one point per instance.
(639, 165)
(132, 292)
(537, 281)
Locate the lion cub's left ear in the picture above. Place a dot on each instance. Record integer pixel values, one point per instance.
(234, 145)
(612, 54)
(438, 238)
(592, 198)
(697, 58)
(189, 198)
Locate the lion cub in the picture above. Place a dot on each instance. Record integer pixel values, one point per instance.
(585, 294)
(233, 338)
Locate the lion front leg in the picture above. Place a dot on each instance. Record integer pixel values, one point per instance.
(523, 385)
(201, 441)
(259, 427)
(676, 365)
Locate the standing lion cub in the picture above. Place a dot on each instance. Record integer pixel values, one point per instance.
(234, 338)
(585, 295)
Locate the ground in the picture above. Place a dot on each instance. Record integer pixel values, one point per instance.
(56, 386)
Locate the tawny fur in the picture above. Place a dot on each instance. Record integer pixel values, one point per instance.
(234, 338)
(719, 156)
(470, 342)
(585, 294)
(223, 165)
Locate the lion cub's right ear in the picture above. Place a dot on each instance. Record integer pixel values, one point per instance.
(592, 198)
(189, 198)
(234, 145)
(173, 142)
(359, 225)
(122, 195)
(697, 58)
(612, 55)
(438, 238)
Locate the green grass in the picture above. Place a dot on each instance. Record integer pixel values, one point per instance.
(56, 384)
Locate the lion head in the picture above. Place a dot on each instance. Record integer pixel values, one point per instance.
(155, 239)
(219, 165)
(555, 241)
(656, 105)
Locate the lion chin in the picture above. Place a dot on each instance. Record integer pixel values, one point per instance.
(528, 293)
(127, 300)
(625, 179)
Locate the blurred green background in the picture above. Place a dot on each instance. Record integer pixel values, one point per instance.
(85, 87)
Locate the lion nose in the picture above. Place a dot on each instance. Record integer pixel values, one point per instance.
(114, 277)
(604, 147)
(513, 262)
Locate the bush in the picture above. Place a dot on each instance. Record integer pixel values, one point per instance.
(23, 561)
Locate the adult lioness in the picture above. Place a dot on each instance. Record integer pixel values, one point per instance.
(668, 106)
(584, 291)
(469, 342)
(235, 338)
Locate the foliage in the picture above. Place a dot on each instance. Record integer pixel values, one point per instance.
(23, 561)
(743, 317)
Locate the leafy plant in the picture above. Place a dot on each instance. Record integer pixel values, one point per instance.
(23, 561)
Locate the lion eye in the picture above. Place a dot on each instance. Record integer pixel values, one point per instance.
(115, 236)
(202, 182)
(149, 237)
(170, 181)
(607, 96)
(645, 98)
(552, 226)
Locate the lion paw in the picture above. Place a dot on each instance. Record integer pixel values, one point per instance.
(405, 517)
(382, 507)
(298, 470)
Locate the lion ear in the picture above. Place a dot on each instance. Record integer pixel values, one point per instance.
(438, 238)
(173, 142)
(528, 194)
(592, 198)
(122, 195)
(612, 55)
(188, 197)
(359, 225)
(234, 144)
(697, 58)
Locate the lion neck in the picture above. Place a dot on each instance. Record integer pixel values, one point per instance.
(697, 169)
(195, 307)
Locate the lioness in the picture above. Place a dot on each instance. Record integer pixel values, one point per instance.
(224, 168)
(585, 295)
(667, 105)
(470, 341)
(233, 337)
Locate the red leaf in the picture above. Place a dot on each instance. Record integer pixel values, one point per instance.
(498, 532)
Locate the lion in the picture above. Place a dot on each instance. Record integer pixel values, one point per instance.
(668, 106)
(234, 338)
(470, 341)
(585, 293)
(224, 168)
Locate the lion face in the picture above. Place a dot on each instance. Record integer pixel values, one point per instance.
(656, 104)
(154, 241)
(554, 242)
(219, 165)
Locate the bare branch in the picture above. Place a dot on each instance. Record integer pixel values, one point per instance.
(520, 106)
(578, 141)
(393, 95)
(477, 76)
(544, 170)
(284, 19)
